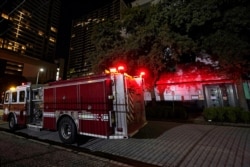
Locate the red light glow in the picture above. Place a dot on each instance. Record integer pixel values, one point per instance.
(121, 68)
(113, 70)
(142, 73)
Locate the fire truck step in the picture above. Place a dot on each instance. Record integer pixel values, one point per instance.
(34, 127)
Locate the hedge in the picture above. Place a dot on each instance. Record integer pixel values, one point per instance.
(226, 114)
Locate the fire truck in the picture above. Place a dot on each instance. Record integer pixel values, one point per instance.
(109, 105)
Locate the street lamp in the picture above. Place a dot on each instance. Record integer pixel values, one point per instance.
(37, 76)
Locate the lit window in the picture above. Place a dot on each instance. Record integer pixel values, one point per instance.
(53, 29)
(5, 16)
(51, 39)
(40, 33)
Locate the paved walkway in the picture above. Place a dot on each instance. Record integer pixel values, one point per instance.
(184, 145)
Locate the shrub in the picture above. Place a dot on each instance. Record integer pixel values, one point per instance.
(244, 117)
(220, 113)
(228, 114)
(231, 114)
(210, 114)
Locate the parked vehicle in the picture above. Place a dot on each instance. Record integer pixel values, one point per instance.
(109, 105)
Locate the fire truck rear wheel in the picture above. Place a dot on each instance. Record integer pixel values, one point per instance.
(67, 130)
(12, 123)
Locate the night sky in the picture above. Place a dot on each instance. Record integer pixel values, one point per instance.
(80, 7)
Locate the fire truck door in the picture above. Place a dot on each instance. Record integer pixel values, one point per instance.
(96, 107)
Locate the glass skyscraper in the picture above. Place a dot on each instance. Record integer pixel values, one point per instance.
(80, 43)
(29, 27)
(28, 37)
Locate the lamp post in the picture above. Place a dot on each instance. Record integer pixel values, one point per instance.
(37, 76)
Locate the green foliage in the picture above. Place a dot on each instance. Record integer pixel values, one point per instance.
(220, 114)
(244, 117)
(219, 28)
(226, 114)
(231, 114)
(210, 114)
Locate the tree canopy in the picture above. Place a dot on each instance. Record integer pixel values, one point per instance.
(160, 36)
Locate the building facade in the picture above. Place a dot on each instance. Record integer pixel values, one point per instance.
(79, 63)
(28, 37)
(144, 2)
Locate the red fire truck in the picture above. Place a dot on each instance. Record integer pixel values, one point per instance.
(110, 105)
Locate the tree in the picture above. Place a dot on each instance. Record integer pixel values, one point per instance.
(176, 31)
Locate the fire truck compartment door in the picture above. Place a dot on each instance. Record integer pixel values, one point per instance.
(96, 107)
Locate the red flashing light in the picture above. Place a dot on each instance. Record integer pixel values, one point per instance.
(113, 70)
(142, 74)
(121, 68)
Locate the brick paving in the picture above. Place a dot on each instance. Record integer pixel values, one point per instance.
(184, 145)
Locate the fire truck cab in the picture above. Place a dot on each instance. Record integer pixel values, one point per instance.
(21, 105)
(109, 105)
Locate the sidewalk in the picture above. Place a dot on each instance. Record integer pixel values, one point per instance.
(185, 145)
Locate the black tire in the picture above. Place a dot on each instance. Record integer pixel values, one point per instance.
(67, 130)
(12, 123)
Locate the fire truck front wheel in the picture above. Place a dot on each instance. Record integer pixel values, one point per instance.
(67, 130)
(12, 123)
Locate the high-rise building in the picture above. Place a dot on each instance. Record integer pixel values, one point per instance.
(80, 43)
(144, 3)
(28, 37)
(30, 27)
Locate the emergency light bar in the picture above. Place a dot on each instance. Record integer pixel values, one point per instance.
(113, 70)
(120, 69)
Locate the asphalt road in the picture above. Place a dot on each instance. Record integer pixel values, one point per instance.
(17, 151)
